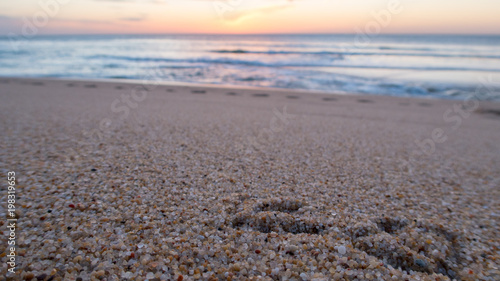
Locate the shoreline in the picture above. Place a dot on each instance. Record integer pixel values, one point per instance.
(182, 84)
(235, 87)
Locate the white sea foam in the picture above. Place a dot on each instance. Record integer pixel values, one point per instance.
(400, 65)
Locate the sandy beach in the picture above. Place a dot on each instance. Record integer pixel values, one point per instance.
(124, 181)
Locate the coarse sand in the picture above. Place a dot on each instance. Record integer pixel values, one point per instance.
(124, 181)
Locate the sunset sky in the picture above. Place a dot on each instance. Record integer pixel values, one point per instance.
(249, 16)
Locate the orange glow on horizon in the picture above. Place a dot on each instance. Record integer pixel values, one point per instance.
(257, 17)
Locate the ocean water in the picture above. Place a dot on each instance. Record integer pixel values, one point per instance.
(434, 66)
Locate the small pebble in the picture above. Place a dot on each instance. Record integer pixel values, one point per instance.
(342, 250)
(421, 263)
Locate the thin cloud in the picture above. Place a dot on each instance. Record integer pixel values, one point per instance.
(84, 21)
(239, 15)
(136, 18)
(135, 1)
(9, 24)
